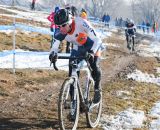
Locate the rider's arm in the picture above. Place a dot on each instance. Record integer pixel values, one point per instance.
(92, 34)
(134, 27)
(55, 46)
(58, 36)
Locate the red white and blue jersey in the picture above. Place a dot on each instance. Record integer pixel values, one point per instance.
(81, 30)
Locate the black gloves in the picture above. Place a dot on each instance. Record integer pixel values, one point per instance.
(53, 57)
(90, 56)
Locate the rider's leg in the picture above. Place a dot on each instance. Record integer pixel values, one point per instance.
(127, 38)
(133, 44)
(96, 74)
(73, 102)
(73, 53)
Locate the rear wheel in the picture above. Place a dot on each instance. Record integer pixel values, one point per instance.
(132, 46)
(94, 113)
(65, 106)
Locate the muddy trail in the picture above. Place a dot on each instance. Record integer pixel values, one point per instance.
(29, 98)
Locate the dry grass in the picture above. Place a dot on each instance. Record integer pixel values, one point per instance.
(140, 96)
(146, 64)
(31, 41)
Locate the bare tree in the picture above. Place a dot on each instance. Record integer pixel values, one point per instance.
(146, 10)
(13, 3)
(97, 8)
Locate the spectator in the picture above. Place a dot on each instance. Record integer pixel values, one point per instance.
(33, 5)
(143, 26)
(155, 27)
(107, 20)
(103, 18)
(116, 21)
(53, 26)
(148, 26)
(120, 21)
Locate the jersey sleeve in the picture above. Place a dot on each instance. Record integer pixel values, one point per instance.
(92, 34)
(58, 35)
(55, 46)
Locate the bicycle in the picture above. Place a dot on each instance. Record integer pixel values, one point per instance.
(82, 100)
(130, 43)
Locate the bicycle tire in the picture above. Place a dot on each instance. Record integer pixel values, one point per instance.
(133, 44)
(62, 119)
(93, 124)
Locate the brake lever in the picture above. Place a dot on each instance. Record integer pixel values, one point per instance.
(54, 65)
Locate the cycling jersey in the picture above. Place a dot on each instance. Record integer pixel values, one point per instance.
(81, 31)
(130, 28)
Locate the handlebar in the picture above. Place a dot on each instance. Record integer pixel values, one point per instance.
(73, 58)
(67, 57)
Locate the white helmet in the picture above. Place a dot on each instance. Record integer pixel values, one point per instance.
(130, 21)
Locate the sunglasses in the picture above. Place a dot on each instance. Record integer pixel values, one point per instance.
(62, 25)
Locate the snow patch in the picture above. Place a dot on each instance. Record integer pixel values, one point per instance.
(152, 50)
(125, 120)
(155, 112)
(144, 77)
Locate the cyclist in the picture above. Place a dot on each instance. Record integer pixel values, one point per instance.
(130, 30)
(85, 41)
(51, 19)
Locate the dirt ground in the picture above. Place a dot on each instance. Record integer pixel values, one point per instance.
(28, 99)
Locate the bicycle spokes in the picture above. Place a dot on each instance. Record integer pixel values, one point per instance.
(68, 108)
(93, 115)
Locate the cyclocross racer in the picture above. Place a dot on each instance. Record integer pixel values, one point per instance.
(85, 41)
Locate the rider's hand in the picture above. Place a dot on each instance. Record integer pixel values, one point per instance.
(53, 57)
(90, 56)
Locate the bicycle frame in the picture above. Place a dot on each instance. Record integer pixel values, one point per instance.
(83, 96)
(77, 67)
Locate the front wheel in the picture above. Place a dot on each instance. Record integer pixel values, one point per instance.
(68, 120)
(94, 113)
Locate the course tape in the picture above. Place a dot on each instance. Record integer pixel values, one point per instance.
(27, 28)
(143, 26)
(39, 29)
(6, 27)
(6, 53)
(34, 29)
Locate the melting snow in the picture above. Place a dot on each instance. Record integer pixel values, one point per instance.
(125, 120)
(144, 77)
